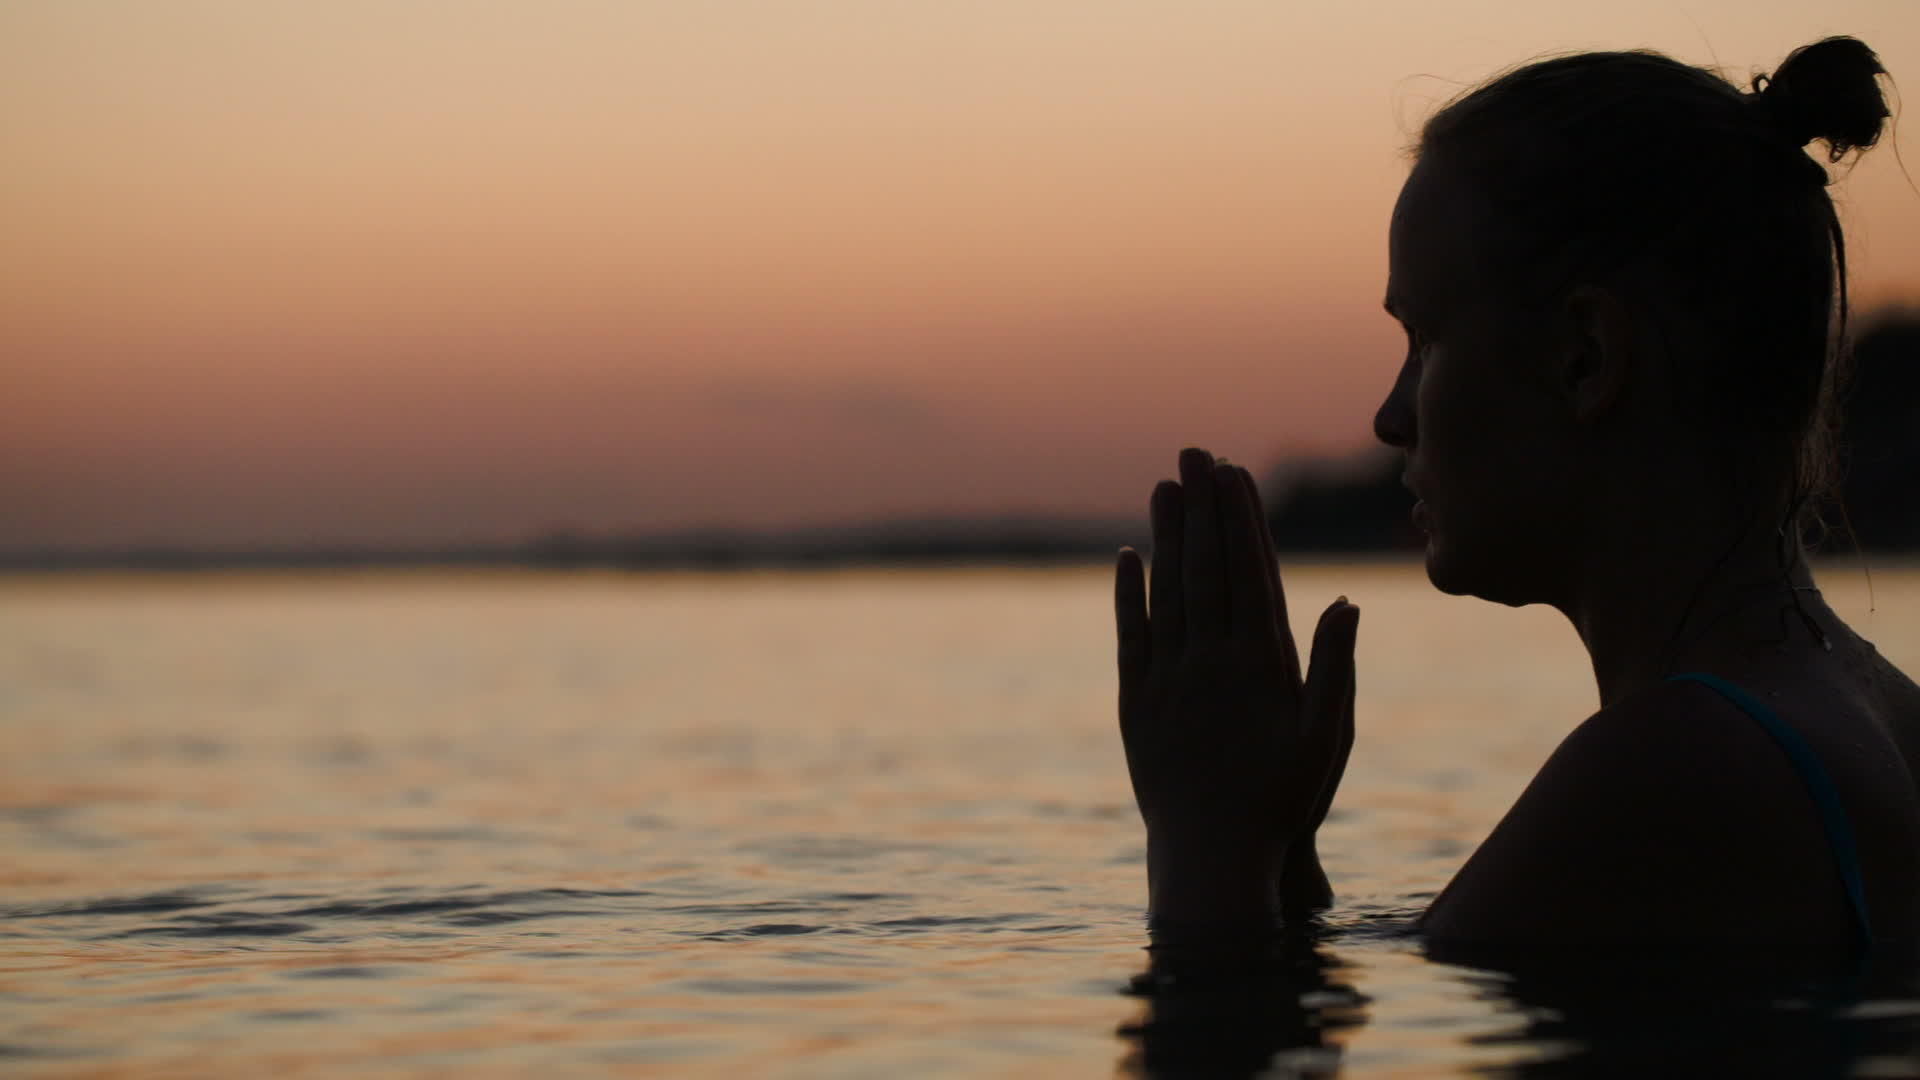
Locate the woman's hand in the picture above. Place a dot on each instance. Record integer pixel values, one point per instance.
(1234, 757)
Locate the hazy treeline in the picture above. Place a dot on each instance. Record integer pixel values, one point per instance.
(1010, 540)
(1881, 458)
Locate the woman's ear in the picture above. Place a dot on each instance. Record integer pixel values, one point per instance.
(1598, 351)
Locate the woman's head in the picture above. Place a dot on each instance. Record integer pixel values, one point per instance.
(1656, 205)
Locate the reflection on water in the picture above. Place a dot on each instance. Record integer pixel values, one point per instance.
(857, 824)
(1292, 1019)
(1588, 1015)
(1704, 1016)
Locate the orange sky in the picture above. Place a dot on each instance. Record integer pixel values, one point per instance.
(389, 271)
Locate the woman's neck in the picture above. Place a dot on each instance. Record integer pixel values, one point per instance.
(1734, 598)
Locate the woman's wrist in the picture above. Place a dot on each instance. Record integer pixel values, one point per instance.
(1199, 885)
(1303, 882)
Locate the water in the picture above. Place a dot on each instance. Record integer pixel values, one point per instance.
(810, 825)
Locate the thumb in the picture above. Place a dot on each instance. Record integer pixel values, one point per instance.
(1329, 679)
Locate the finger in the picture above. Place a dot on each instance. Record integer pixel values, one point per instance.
(1130, 618)
(1289, 652)
(1329, 683)
(1203, 573)
(1168, 607)
(1249, 582)
(1342, 750)
(1345, 749)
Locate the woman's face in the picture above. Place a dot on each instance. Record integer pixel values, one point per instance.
(1477, 405)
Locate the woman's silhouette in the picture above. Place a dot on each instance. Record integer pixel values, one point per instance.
(1623, 286)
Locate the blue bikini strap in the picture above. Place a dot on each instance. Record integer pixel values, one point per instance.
(1833, 815)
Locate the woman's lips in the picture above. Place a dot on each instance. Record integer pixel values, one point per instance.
(1422, 519)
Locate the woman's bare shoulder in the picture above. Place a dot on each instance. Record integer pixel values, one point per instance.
(1669, 815)
(1886, 694)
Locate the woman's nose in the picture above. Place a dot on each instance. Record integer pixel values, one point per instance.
(1393, 423)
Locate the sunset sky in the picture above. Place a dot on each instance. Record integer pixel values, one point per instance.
(381, 271)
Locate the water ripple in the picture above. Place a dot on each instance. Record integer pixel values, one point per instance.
(931, 922)
(218, 929)
(282, 914)
(152, 904)
(750, 907)
(343, 971)
(775, 986)
(461, 910)
(764, 930)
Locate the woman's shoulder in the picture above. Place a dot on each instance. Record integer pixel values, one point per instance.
(1696, 744)
(1762, 737)
(1679, 725)
(1668, 815)
(1847, 703)
(1888, 696)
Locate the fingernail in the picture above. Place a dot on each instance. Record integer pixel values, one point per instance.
(1339, 600)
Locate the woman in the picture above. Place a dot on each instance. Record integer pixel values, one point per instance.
(1621, 280)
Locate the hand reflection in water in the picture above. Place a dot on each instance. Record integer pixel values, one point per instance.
(1612, 1013)
(1283, 1019)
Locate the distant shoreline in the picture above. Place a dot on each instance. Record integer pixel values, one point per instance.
(918, 542)
(510, 561)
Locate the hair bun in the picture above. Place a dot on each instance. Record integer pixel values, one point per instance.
(1827, 90)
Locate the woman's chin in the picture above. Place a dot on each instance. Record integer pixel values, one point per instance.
(1442, 570)
(1480, 574)
(1473, 569)
(1444, 573)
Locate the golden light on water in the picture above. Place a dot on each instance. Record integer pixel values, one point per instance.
(812, 823)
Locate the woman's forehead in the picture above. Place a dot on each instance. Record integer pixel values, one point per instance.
(1433, 204)
(1431, 239)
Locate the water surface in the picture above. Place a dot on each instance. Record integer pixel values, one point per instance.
(807, 825)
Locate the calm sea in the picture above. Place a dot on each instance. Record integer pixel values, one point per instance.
(869, 824)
